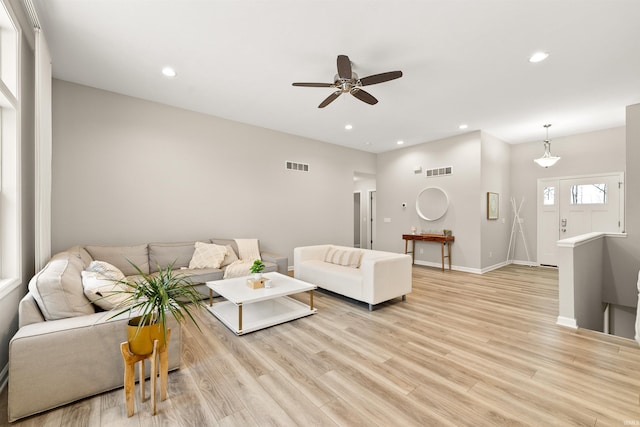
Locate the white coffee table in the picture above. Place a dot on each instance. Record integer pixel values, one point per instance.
(247, 310)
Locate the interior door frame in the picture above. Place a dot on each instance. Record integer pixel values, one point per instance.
(371, 208)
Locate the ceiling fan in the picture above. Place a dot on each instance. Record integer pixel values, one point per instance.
(346, 81)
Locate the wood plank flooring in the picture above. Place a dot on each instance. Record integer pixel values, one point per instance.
(462, 350)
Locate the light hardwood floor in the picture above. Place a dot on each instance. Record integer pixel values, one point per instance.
(464, 349)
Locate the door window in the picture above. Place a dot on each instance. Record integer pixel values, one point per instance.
(589, 194)
(549, 196)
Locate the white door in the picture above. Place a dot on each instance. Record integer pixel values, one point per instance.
(548, 221)
(571, 206)
(590, 204)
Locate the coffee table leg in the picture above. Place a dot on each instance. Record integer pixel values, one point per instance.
(240, 317)
(210, 297)
(311, 299)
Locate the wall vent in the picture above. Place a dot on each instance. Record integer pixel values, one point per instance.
(295, 166)
(446, 170)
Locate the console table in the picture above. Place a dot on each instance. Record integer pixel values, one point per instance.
(438, 238)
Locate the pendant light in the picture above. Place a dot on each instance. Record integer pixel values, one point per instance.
(547, 159)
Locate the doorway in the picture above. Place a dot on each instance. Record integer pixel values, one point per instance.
(571, 206)
(364, 184)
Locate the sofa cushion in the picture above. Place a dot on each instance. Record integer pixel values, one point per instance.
(163, 254)
(225, 242)
(122, 257)
(230, 257)
(207, 255)
(346, 281)
(344, 257)
(82, 253)
(201, 275)
(57, 288)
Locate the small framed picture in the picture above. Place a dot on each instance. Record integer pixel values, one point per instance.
(493, 202)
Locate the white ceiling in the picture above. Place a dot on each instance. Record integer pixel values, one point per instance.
(464, 61)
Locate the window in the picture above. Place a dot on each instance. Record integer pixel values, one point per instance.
(549, 196)
(10, 226)
(589, 194)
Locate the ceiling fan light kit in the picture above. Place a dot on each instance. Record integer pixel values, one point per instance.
(347, 81)
(547, 158)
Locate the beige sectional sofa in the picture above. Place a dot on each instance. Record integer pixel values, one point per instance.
(365, 275)
(66, 348)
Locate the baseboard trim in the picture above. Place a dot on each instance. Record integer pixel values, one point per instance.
(494, 267)
(453, 267)
(527, 263)
(567, 321)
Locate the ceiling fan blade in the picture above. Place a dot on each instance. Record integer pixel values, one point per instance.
(313, 84)
(344, 67)
(380, 78)
(329, 99)
(364, 96)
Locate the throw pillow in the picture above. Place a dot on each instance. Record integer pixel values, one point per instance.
(345, 257)
(103, 291)
(107, 270)
(229, 257)
(207, 255)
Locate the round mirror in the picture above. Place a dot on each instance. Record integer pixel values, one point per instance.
(432, 203)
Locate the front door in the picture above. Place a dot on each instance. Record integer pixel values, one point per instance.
(569, 207)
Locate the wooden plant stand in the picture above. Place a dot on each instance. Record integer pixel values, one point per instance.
(131, 359)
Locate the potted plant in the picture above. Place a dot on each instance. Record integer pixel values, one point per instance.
(153, 297)
(257, 268)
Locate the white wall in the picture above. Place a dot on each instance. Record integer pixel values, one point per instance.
(495, 179)
(397, 183)
(129, 171)
(623, 255)
(582, 154)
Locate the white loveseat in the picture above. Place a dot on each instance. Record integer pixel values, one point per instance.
(365, 275)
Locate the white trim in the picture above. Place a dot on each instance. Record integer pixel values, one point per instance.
(446, 266)
(567, 321)
(8, 285)
(494, 267)
(527, 263)
(43, 152)
(583, 239)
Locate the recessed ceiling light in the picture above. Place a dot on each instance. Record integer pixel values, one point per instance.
(400, 142)
(348, 127)
(538, 56)
(463, 126)
(168, 72)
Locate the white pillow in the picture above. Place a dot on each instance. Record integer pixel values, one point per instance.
(103, 289)
(108, 270)
(207, 255)
(345, 257)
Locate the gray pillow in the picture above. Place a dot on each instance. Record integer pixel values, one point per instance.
(163, 254)
(122, 257)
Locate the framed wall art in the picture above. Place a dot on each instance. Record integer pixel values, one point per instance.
(493, 203)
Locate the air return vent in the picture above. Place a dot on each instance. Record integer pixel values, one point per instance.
(294, 166)
(446, 170)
